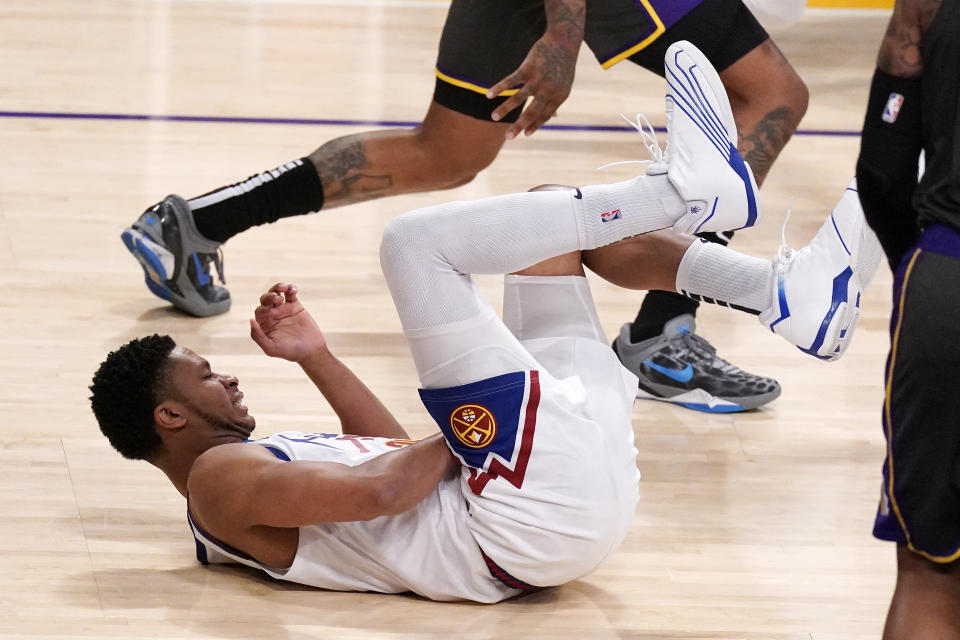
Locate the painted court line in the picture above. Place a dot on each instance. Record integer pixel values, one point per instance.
(58, 115)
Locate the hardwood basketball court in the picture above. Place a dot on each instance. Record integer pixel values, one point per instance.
(753, 525)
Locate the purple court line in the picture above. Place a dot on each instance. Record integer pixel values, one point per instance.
(331, 122)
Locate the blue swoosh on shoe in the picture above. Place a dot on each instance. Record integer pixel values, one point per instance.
(680, 375)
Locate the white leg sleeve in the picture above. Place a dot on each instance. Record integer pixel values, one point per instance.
(427, 254)
(427, 257)
(536, 307)
(467, 351)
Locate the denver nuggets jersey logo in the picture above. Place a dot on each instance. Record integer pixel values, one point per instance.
(473, 425)
(489, 425)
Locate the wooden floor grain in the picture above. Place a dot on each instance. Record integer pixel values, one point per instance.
(753, 526)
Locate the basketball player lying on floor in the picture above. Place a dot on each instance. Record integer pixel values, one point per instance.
(532, 481)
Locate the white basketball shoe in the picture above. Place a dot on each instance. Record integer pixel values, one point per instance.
(817, 290)
(701, 159)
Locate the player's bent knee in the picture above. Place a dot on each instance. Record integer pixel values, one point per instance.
(785, 93)
(450, 170)
(398, 245)
(796, 94)
(465, 177)
(763, 81)
(454, 160)
(462, 166)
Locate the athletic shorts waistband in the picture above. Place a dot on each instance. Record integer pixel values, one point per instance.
(942, 239)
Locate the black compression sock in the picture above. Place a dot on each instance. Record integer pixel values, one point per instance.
(292, 189)
(660, 307)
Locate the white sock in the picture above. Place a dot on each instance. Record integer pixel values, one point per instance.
(713, 273)
(610, 212)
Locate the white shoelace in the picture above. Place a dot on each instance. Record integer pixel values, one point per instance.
(648, 135)
(217, 260)
(785, 254)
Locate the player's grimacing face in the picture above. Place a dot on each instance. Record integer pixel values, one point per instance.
(214, 397)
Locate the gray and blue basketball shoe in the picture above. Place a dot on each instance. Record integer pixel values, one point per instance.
(176, 258)
(681, 367)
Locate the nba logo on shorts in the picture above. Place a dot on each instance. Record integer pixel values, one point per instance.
(892, 110)
(610, 215)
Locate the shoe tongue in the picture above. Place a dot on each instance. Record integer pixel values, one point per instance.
(680, 325)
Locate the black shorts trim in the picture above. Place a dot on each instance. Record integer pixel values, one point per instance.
(483, 41)
(920, 502)
(471, 102)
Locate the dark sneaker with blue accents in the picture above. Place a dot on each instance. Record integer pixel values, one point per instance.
(176, 258)
(679, 366)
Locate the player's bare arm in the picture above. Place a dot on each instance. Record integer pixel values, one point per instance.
(243, 495)
(546, 75)
(901, 51)
(283, 328)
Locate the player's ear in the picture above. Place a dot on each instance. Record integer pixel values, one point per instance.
(169, 414)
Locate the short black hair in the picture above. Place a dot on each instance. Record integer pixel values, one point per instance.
(126, 388)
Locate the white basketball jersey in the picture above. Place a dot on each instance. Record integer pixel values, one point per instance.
(428, 550)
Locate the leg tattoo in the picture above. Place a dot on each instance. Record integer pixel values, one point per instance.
(340, 164)
(761, 145)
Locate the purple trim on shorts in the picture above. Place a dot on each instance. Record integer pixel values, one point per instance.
(939, 238)
(670, 11)
(943, 240)
(886, 526)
